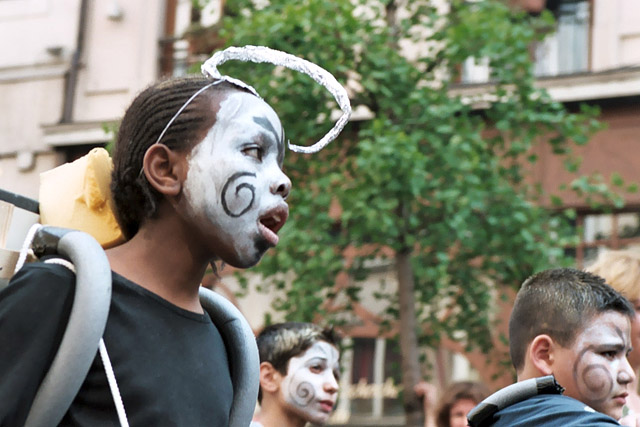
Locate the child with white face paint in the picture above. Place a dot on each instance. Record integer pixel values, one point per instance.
(299, 374)
(569, 332)
(197, 177)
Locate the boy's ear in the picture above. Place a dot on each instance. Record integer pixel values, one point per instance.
(541, 354)
(270, 378)
(165, 169)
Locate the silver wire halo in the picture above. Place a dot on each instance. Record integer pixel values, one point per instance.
(262, 54)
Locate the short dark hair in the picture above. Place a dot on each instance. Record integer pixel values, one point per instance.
(559, 302)
(279, 342)
(134, 198)
(474, 391)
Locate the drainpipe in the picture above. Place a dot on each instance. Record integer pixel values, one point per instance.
(72, 75)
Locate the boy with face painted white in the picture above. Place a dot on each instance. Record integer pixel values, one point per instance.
(569, 324)
(299, 371)
(197, 178)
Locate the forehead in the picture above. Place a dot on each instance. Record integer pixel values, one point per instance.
(605, 328)
(249, 110)
(319, 350)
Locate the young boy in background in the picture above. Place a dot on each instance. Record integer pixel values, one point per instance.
(299, 371)
(568, 332)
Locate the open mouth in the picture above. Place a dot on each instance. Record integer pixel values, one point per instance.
(326, 405)
(272, 222)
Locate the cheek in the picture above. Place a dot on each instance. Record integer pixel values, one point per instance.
(300, 390)
(200, 190)
(594, 377)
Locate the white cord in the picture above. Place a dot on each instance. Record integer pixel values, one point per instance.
(113, 385)
(26, 246)
(61, 261)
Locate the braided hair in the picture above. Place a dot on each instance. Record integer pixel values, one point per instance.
(134, 198)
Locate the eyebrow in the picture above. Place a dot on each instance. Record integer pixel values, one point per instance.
(617, 347)
(268, 126)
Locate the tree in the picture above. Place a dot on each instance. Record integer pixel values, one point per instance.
(434, 182)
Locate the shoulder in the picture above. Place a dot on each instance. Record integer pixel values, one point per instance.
(551, 410)
(39, 281)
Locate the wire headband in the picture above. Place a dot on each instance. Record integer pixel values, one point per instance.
(261, 54)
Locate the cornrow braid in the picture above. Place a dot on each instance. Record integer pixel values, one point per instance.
(134, 198)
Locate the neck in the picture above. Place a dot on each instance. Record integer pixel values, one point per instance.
(272, 414)
(159, 260)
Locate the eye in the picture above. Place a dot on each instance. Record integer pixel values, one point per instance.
(253, 151)
(316, 369)
(609, 354)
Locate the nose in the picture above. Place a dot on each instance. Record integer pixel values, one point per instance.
(281, 185)
(331, 385)
(626, 374)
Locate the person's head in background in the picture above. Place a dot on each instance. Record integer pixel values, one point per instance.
(570, 324)
(621, 270)
(456, 402)
(299, 372)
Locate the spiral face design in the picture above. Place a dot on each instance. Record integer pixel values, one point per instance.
(594, 379)
(303, 394)
(242, 194)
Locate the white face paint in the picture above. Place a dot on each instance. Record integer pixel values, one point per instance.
(594, 369)
(310, 388)
(235, 187)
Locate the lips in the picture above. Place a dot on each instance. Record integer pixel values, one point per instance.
(326, 405)
(272, 221)
(622, 397)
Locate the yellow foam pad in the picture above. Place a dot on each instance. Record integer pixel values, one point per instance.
(77, 195)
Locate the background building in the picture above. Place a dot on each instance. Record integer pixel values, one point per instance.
(69, 69)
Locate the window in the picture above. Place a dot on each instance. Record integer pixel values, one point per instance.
(566, 51)
(475, 70)
(606, 231)
(372, 392)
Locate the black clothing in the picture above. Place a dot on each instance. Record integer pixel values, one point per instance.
(170, 364)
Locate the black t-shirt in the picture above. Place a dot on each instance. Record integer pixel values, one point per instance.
(550, 410)
(170, 364)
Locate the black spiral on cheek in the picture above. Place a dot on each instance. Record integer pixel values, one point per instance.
(303, 394)
(227, 187)
(599, 384)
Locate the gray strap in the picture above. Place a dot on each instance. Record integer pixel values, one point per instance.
(482, 414)
(80, 341)
(242, 351)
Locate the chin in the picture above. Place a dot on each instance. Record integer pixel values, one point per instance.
(319, 421)
(615, 413)
(248, 258)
